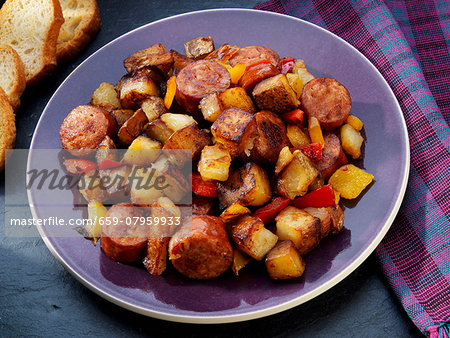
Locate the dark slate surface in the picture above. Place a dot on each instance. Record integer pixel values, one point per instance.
(38, 297)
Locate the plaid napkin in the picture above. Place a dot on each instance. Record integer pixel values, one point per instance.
(409, 42)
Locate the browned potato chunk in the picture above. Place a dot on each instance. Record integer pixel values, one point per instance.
(237, 97)
(233, 212)
(296, 136)
(214, 163)
(351, 141)
(158, 130)
(211, 107)
(154, 107)
(275, 94)
(154, 55)
(271, 138)
(165, 215)
(296, 84)
(144, 190)
(189, 137)
(177, 121)
(179, 60)
(200, 47)
(142, 151)
(235, 129)
(301, 71)
(300, 227)
(133, 127)
(122, 115)
(284, 261)
(252, 237)
(115, 182)
(135, 90)
(91, 188)
(248, 185)
(175, 183)
(105, 96)
(240, 260)
(296, 177)
(284, 158)
(155, 259)
(106, 151)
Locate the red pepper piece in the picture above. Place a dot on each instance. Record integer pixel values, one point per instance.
(312, 150)
(258, 63)
(286, 64)
(320, 198)
(77, 166)
(294, 117)
(109, 164)
(268, 212)
(203, 188)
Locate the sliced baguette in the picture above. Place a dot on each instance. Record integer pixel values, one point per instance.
(7, 127)
(82, 22)
(31, 27)
(12, 75)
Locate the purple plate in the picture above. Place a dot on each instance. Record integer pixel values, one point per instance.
(253, 294)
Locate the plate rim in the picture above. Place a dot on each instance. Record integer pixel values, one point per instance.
(219, 319)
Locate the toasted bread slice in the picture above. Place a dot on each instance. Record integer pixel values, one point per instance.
(82, 22)
(12, 75)
(31, 27)
(7, 127)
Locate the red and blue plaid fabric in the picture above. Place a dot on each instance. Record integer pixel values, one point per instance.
(409, 43)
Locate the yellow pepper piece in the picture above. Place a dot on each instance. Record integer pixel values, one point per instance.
(236, 72)
(354, 122)
(315, 132)
(350, 181)
(96, 210)
(170, 93)
(337, 196)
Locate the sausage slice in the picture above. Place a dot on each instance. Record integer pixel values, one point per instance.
(203, 250)
(199, 79)
(86, 127)
(333, 156)
(124, 233)
(327, 100)
(253, 54)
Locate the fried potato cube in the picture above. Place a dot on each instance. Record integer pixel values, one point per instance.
(296, 136)
(190, 138)
(143, 189)
(91, 189)
(198, 48)
(158, 130)
(235, 129)
(300, 70)
(214, 163)
(284, 261)
(122, 115)
(132, 128)
(252, 238)
(106, 150)
(179, 60)
(296, 84)
(300, 227)
(351, 140)
(135, 90)
(162, 211)
(154, 107)
(284, 158)
(249, 185)
(96, 211)
(142, 151)
(115, 182)
(296, 177)
(155, 259)
(142, 57)
(331, 219)
(350, 181)
(240, 260)
(275, 94)
(175, 184)
(211, 107)
(105, 96)
(233, 212)
(177, 121)
(237, 97)
(355, 122)
(164, 207)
